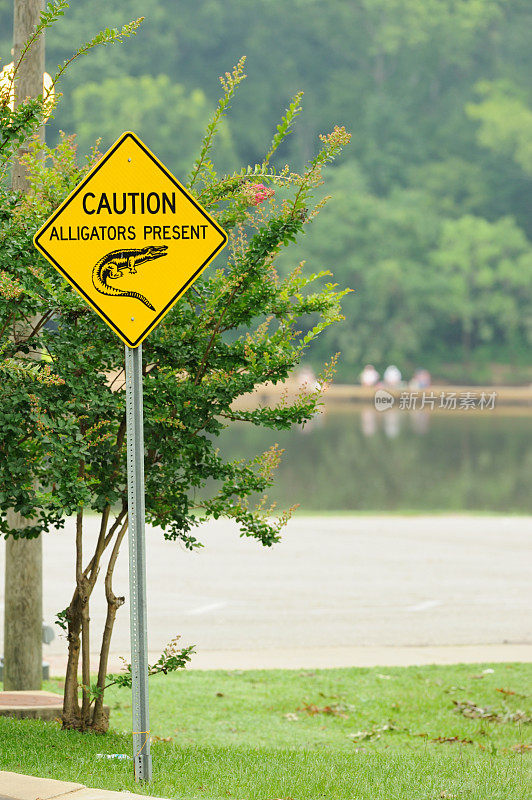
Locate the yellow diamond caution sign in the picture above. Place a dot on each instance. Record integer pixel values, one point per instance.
(130, 239)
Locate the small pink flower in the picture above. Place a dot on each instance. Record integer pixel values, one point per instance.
(256, 193)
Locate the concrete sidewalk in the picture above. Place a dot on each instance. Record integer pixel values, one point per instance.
(328, 657)
(26, 787)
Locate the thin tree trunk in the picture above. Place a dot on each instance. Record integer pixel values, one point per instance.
(94, 568)
(71, 711)
(85, 617)
(79, 621)
(77, 612)
(100, 721)
(78, 616)
(85, 665)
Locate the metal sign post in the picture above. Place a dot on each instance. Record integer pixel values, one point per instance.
(137, 564)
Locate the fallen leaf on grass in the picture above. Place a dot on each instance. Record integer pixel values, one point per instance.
(446, 796)
(451, 740)
(335, 710)
(522, 747)
(470, 710)
(161, 739)
(373, 733)
(510, 691)
(484, 672)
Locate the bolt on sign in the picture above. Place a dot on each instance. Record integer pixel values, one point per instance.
(130, 239)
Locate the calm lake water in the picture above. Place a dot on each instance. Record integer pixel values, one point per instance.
(398, 461)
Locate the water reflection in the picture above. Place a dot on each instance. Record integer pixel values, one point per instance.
(420, 421)
(369, 421)
(398, 461)
(391, 422)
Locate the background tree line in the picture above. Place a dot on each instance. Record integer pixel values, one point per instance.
(431, 224)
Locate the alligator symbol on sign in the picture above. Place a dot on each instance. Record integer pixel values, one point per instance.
(114, 264)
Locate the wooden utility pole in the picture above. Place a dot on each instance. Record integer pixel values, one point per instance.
(23, 576)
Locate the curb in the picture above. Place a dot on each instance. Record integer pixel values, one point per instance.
(33, 704)
(27, 787)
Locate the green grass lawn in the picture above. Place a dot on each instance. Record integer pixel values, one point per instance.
(416, 733)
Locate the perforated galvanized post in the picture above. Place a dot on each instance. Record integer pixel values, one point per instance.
(137, 564)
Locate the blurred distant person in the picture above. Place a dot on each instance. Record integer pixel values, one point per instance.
(421, 380)
(306, 377)
(369, 376)
(392, 376)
